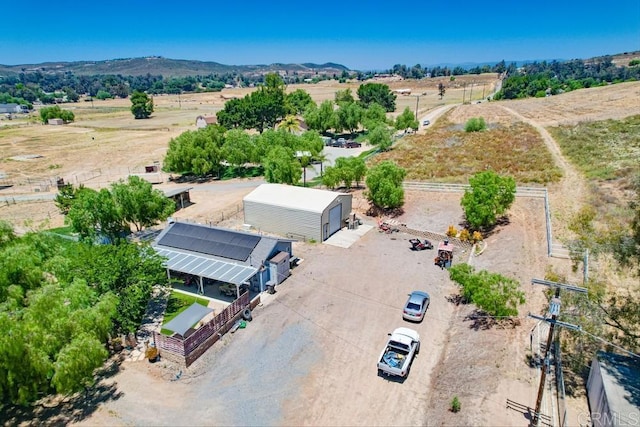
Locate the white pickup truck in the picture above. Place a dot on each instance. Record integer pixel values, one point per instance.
(398, 353)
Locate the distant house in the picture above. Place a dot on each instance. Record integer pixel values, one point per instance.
(403, 91)
(203, 122)
(13, 108)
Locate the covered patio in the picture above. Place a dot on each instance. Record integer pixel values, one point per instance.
(196, 272)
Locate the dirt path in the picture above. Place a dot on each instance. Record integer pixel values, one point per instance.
(570, 193)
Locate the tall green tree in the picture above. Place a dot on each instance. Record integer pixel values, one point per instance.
(378, 93)
(141, 105)
(348, 117)
(239, 148)
(380, 136)
(374, 116)
(298, 101)
(280, 166)
(384, 185)
(407, 120)
(321, 118)
(95, 213)
(489, 196)
(140, 204)
(441, 89)
(344, 97)
(55, 112)
(198, 152)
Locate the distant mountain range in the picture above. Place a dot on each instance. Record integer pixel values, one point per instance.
(157, 65)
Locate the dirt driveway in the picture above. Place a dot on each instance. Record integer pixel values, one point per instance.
(309, 356)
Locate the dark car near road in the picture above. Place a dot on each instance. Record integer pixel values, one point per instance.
(352, 144)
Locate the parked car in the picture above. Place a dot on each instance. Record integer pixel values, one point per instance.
(352, 144)
(426, 123)
(340, 142)
(398, 353)
(416, 306)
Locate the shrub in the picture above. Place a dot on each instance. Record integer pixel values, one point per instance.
(475, 124)
(455, 404)
(477, 236)
(464, 235)
(452, 231)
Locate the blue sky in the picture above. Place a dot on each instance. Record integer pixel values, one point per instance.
(361, 35)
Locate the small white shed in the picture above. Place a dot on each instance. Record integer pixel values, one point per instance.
(296, 212)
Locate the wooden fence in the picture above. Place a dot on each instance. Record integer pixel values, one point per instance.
(196, 344)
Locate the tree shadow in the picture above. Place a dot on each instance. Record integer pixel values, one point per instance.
(375, 211)
(501, 222)
(56, 410)
(481, 321)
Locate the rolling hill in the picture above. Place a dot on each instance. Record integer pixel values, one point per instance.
(157, 65)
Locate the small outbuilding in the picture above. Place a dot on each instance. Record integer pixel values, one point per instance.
(204, 121)
(613, 390)
(297, 212)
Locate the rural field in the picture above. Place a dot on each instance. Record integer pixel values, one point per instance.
(308, 357)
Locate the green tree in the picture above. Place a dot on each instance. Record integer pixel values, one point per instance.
(407, 120)
(348, 117)
(331, 177)
(381, 136)
(344, 97)
(280, 166)
(235, 114)
(238, 148)
(55, 112)
(141, 105)
(475, 124)
(298, 101)
(374, 116)
(378, 93)
(491, 292)
(321, 118)
(290, 124)
(65, 197)
(441, 89)
(103, 94)
(140, 204)
(488, 197)
(384, 185)
(199, 152)
(95, 213)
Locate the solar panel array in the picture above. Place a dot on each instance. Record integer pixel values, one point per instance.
(210, 241)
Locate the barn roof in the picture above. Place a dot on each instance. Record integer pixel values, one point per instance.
(292, 197)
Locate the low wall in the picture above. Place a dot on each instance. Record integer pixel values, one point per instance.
(188, 350)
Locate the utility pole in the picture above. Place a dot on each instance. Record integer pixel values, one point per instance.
(471, 92)
(554, 311)
(417, 101)
(464, 91)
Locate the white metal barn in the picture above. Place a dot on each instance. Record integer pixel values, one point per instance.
(296, 212)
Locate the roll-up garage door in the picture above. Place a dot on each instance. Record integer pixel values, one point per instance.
(335, 219)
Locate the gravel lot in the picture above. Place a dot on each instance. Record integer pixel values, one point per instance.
(309, 356)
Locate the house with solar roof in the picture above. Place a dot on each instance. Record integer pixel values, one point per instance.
(217, 257)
